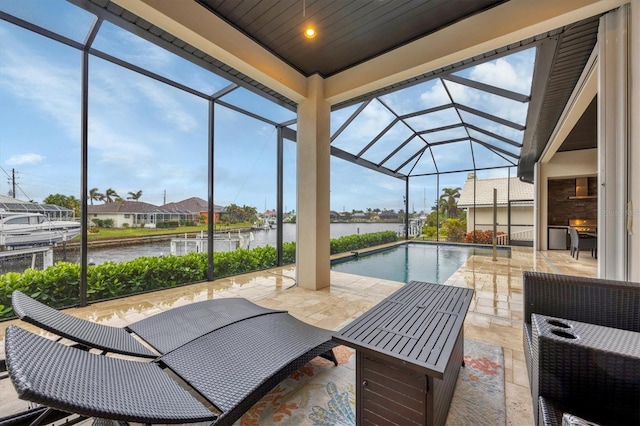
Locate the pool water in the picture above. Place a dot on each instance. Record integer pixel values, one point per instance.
(433, 263)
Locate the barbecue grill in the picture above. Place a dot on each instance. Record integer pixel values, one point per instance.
(584, 225)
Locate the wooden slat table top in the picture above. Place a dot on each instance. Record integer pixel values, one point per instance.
(418, 324)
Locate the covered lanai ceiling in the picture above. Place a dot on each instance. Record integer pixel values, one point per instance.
(349, 32)
(462, 117)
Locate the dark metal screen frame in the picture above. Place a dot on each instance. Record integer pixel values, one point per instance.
(87, 51)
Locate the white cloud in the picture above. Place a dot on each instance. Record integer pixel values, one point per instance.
(136, 50)
(106, 87)
(435, 95)
(512, 73)
(46, 86)
(368, 124)
(172, 110)
(21, 159)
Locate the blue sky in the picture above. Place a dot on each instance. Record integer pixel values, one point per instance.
(145, 135)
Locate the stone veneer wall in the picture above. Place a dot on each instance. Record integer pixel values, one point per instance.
(561, 208)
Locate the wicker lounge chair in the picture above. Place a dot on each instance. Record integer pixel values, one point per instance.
(599, 302)
(229, 368)
(186, 323)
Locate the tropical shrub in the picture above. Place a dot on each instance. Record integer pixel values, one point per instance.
(429, 232)
(455, 229)
(356, 242)
(168, 224)
(103, 223)
(481, 237)
(288, 253)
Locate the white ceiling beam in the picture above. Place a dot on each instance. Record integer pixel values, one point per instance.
(500, 26)
(192, 23)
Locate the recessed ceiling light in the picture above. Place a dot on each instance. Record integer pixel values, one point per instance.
(310, 32)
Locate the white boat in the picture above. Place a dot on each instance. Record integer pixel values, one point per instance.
(32, 229)
(262, 225)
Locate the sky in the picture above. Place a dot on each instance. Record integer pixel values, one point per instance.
(147, 136)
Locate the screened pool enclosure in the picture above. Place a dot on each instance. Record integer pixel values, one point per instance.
(95, 97)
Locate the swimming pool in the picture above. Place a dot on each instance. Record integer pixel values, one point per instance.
(427, 262)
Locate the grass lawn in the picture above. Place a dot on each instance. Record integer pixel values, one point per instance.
(104, 233)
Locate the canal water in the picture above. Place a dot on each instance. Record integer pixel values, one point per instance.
(260, 238)
(257, 238)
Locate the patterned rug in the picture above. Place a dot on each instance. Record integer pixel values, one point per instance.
(323, 395)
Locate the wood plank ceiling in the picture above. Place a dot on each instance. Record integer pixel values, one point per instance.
(349, 31)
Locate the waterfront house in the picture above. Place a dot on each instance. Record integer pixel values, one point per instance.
(359, 217)
(270, 215)
(140, 214)
(388, 215)
(198, 206)
(514, 206)
(123, 213)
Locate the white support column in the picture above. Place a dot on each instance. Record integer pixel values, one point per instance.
(312, 215)
(540, 197)
(613, 144)
(634, 116)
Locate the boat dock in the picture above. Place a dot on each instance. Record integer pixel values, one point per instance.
(199, 243)
(45, 251)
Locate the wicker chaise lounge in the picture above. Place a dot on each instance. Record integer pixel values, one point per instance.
(229, 367)
(598, 369)
(185, 323)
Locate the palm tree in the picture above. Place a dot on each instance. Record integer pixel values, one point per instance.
(109, 195)
(135, 196)
(442, 205)
(95, 195)
(449, 201)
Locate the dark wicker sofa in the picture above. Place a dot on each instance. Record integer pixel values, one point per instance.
(607, 303)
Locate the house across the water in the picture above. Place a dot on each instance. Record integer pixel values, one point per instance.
(140, 214)
(514, 201)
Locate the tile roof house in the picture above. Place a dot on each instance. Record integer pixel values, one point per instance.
(196, 205)
(388, 215)
(123, 213)
(139, 213)
(508, 189)
(477, 199)
(359, 216)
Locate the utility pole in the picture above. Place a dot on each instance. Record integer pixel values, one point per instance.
(12, 182)
(424, 200)
(164, 197)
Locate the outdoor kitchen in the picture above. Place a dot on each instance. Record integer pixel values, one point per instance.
(572, 203)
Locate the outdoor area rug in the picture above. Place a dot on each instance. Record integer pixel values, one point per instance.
(324, 395)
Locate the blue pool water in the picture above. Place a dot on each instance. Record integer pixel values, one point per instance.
(433, 263)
